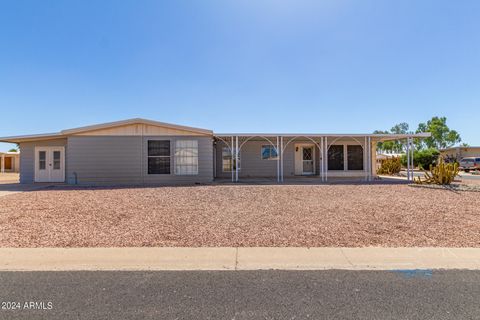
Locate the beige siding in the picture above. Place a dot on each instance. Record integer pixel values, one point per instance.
(123, 160)
(27, 157)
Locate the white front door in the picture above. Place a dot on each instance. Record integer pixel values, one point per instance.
(49, 164)
(304, 159)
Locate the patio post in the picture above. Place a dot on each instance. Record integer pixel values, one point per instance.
(412, 147)
(3, 164)
(321, 158)
(278, 159)
(370, 164)
(408, 159)
(325, 150)
(236, 158)
(281, 158)
(232, 163)
(365, 158)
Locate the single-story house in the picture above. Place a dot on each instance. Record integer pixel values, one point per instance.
(9, 161)
(457, 153)
(139, 151)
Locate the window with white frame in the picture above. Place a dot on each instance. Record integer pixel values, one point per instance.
(229, 164)
(269, 152)
(158, 156)
(186, 157)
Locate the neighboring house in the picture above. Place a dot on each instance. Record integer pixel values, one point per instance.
(139, 151)
(457, 153)
(9, 161)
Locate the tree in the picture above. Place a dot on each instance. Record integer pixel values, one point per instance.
(393, 146)
(13, 150)
(442, 137)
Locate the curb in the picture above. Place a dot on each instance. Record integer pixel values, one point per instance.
(236, 259)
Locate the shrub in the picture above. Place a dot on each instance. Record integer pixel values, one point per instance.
(423, 159)
(390, 166)
(443, 174)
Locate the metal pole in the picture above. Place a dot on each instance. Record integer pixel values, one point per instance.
(321, 158)
(325, 147)
(365, 158)
(278, 160)
(236, 158)
(231, 161)
(369, 159)
(412, 158)
(281, 158)
(408, 159)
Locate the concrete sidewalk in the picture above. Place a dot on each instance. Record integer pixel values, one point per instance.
(70, 259)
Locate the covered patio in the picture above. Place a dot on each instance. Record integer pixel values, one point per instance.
(310, 157)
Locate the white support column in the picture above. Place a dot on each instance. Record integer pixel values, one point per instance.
(236, 158)
(278, 159)
(281, 158)
(408, 159)
(2, 169)
(412, 147)
(369, 158)
(365, 158)
(322, 158)
(232, 162)
(325, 150)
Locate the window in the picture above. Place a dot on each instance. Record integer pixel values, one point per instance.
(56, 160)
(355, 157)
(159, 157)
(186, 157)
(227, 162)
(336, 158)
(42, 160)
(269, 152)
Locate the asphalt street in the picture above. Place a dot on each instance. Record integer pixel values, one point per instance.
(329, 294)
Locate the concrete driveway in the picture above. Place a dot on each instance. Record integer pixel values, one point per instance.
(9, 184)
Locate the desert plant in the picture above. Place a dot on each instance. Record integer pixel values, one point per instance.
(390, 166)
(442, 174)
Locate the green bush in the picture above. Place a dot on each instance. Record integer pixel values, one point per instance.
(390, 166)
(423, 159)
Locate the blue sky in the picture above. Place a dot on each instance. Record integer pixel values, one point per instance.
(240, 66)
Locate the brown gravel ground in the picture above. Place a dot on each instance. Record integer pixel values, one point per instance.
(243, 215)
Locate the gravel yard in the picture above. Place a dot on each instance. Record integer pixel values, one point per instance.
(242, 215)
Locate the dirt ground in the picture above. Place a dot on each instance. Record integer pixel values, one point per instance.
(241, 215)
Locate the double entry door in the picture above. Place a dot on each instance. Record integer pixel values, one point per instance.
(49, 164)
